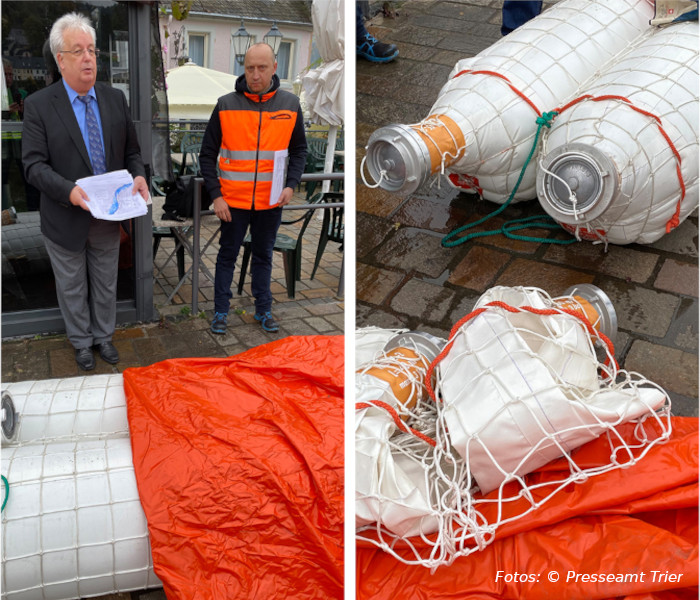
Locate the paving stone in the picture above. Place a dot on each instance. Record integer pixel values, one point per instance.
(640, 310)
(672, 369)
(297, 327)
(684, 326)
(128, 333)
(432, 214)
(425, 301)
(338, 320)
(375, 285)
(621, 262)
(376, 201)
(32, 365)
(551, 278)
(62, 363)
(414, 250)
(318, 293)
(319, 324)
(464, 307)
(678, 277)
(479, 268)
(195, 323)
(447, 57)
(48, 343)
(374, 229)
(419, 35)
(324, 309)
(252, 335)
(150, 350)
(373, 317)
(443, 334)
(683, 240)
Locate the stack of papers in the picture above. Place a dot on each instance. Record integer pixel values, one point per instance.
(112, 196)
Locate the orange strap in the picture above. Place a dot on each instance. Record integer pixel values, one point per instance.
(397, 419)
(510, 85)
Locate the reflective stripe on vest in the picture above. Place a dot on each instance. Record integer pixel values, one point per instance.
(247, 155)
(243, 176)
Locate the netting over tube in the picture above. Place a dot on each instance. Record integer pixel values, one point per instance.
(639, 118)
(524, 380)
(73, 525)
(494, 99)
(77, 407)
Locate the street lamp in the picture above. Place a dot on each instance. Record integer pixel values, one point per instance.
(241, 43)
(273, 38)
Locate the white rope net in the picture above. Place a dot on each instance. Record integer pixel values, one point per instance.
(73, 525)
(642, 114)
(523, 380)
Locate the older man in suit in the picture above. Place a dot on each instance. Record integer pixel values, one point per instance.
(73, 129)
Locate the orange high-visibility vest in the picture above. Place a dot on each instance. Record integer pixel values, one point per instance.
(253, 129)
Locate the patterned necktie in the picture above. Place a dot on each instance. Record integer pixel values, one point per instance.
(97, 154)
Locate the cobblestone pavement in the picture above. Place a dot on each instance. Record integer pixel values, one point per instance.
(405, 278)
(316, 309)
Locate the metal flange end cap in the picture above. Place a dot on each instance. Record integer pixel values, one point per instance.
(576, 183)
(10, 418)
(425, 344)
(602, 304)
(398, 159)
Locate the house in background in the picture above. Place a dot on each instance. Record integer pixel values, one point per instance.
(205, 36)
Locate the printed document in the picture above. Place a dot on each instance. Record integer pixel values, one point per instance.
(112, 196)
(279, 176)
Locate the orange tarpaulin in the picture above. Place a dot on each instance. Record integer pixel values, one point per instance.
(239, 465)
(629, 533)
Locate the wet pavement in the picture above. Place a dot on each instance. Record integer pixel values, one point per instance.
(316, 309)
(405, 278)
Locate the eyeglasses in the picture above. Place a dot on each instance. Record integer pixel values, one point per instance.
(92, 52)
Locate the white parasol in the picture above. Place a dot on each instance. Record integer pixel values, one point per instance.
(193, 91)
(324, 86)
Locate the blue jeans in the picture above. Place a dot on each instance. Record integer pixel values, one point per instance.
(517, 12)
(263, 231)
(360, 29)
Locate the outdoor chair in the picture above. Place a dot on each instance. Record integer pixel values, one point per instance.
(190, 146)
(315, 161)
(332, 228)
(289, 247)
(163, 232)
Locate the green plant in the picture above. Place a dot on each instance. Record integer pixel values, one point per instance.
(186, 310)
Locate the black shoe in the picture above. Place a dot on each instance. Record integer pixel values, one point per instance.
(373, 50)
(108, 352)
(85, 359)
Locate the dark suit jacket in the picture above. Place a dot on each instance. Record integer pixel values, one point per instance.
(55, 156)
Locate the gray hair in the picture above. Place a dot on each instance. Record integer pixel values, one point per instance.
(70, 21)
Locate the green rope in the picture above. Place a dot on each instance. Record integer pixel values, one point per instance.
(535, 222)
(541, 221)
(7, 492)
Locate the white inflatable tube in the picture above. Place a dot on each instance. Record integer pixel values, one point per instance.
(522, 389)
(480, 128)
(76, 407)
(73, 526)
(607, 170)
